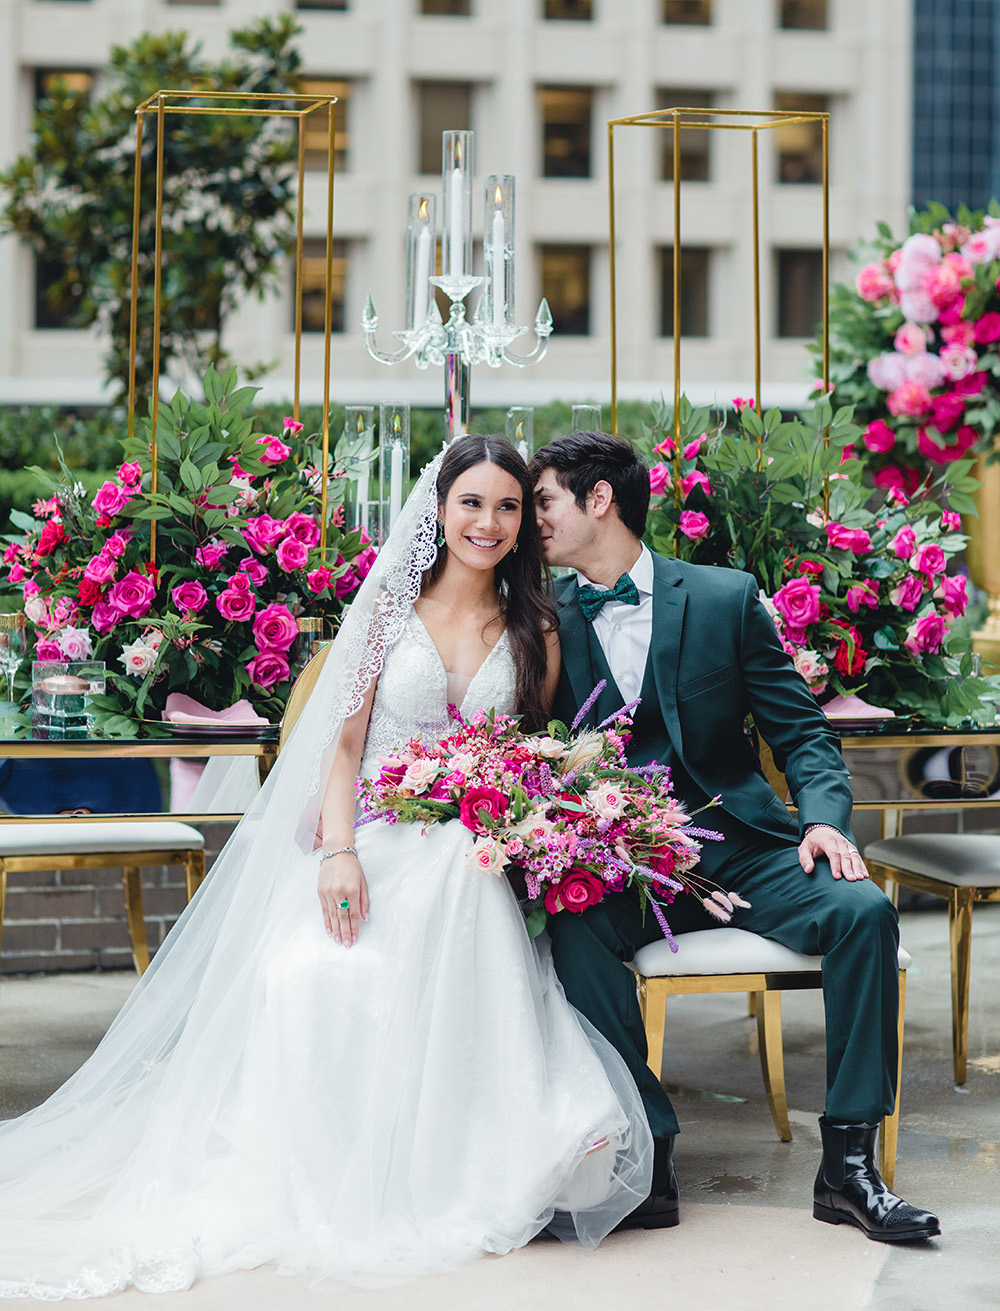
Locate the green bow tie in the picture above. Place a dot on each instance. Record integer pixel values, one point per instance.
(592, 598)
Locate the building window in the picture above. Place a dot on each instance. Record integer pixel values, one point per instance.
(457, 8)
(442, 107)
(799, 146)
(695, 264)
(61, 82)
(800, 292)
(566, 115)
(321, 4)
(695, 142)
(214, 3)
(566, 286)
(695, 13)
(574, 11)
(314, 285)
(804, 14)
(58, 294)
(316, 125)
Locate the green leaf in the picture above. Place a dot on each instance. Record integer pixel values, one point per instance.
(535, 921)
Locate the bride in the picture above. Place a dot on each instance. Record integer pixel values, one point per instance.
(389, 1082)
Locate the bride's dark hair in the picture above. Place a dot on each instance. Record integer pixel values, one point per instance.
(525, 606)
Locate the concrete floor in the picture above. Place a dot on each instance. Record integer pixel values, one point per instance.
(747, 1239)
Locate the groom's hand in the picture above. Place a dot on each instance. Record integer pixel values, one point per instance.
(844, 857)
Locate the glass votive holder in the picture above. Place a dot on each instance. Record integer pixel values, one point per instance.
(60, 695)
(585, 418)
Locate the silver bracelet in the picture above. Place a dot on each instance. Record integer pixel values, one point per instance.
(339, 852)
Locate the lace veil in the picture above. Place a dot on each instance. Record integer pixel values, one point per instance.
(157, 1083)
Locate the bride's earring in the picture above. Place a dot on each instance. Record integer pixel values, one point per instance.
(439, 540)
(514, 548)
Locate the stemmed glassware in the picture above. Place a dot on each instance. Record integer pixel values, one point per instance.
(12, 647)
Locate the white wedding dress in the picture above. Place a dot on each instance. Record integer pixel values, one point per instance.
(357, 1115)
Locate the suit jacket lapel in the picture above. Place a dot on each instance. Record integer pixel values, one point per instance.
(575, 644)
(669, 602)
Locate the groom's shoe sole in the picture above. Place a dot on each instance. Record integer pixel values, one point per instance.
(829, 1215)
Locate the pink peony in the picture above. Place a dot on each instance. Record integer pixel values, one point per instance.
(873, 283)
(951, 591)
(479, 802)
(132, 595)
(291, 554)
(910, 400)
(929, 559)
(926, 634)
(189, 595)
(848, 539)
(958, 334)
(268, 668)
(319, 579)
(110, 499)
(910, 339)
(130, 473)
(942, 283)
(918, 306)
(694, 525)
(925, 369)
(798, 602)
(303, 527)
(236, 606)
(274, 450)
(275, 629)
(887, 371)
(210, 555)
(659, 479)
(907, 593)
(878, 437)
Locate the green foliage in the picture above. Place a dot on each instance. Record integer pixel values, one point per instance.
(228, 194)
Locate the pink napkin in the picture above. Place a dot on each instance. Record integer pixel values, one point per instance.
(182, 709)
(853, 708)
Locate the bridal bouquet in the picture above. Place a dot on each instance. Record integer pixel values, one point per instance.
(563, 810)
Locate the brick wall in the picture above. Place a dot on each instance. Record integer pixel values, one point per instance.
(74, 919)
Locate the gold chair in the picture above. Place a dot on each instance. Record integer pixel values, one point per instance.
(963, 868)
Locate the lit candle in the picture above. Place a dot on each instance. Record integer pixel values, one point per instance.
(499, 265)
(522, 445)
(455, 225)
(423, 272)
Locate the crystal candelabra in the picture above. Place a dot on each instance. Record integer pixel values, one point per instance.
(459, 343)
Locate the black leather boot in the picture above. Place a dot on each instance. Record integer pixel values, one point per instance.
(661, 1209)
(850, 1190)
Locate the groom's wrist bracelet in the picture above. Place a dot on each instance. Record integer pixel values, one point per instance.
(339, 852)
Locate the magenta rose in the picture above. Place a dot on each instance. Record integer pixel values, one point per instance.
(879, 437)
(48, 649)
(275, 629)
(904, 543)
(862, 594)
(292, 425)
(101, 568)
(132, 595)
(479, 802)
(268, 668)
(238, 582)
(392, 771)
(987, 328)
(694, 525)
(236, 606)
(926, 634)
(254, 570)
(659, 479)
(907, 593)
(110, 499)
(263, 532)
(929, 559)
(291, 554)
(798, 602)
(274, 450)
(189, 595)
(952, 594)
(319, 579)
(211, 554)
(946, 410)
(104, 617)
(346, 584)
(303, 527)
(130, 473)
(696, 479)
(848, 539)
(363, 561)
(575, 891)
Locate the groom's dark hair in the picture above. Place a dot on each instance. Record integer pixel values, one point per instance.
(581, 460)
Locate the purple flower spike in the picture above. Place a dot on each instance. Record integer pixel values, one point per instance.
(620, 714)
(661, 919)
(708, 833)
(584, 710)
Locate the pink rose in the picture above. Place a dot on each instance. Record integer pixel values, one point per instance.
(254, 570)
(104, 617)
(813, 669)
(946, 410)
(303, 527)
(238, 582)
(263, 532)
(110, 499)
(907, 593)
(101, 568)
(189, 595)
(17, 573)
(319, 579)
(929, 559)
(132, 595)
(987, 328)
(236, 606)
(138, 658)
(268, 668)
(47, 649)
(886, 371)
(951, 591)
(860, 594)
(925, 369)
(908, 480)
(291, 554)
(972, 385)
(878, 437)
(419, 775)
(848, 539)
(346, 584)
(696, 479)
(951, 522)
(798, 602)
(694, 525)
(910, 339)
(942, 283)
(958, 361)
(918, 306)
(363, 561)
(292, 426)
(873, 283)
(693, 449)
(575, 891)
(926, 634)
(480, 805)
(130, 473)
(958, 334)
(275, 629)
(75, 643)
(659, 479)
(909, 400)
(211, 554)
(904, 543)
(274, 450)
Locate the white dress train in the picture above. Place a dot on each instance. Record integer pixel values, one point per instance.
(397, 1108)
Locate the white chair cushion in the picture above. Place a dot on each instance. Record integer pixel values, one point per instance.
(726, 951)
(71, 837)
(959, 860)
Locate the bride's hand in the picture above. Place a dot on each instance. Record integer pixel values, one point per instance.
(341, 879)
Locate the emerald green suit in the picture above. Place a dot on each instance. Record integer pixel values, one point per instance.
(714, 658)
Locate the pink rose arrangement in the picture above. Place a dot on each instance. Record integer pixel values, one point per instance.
(562, 813)
(238, 560)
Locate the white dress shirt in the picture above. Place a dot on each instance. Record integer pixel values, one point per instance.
(625, 631)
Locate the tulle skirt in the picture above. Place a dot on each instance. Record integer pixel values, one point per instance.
(359, 1115)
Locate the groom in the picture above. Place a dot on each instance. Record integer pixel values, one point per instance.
(702, 652)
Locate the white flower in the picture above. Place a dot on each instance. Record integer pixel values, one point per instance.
(419, 775)
(37, 610)
(75, 643)
(586, 750)
(138, 658)
(486, 855)
(607, 800)
(550, 748)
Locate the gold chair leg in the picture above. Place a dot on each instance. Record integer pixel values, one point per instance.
(194, 871)
(890, 1125)
(3, 895)
(772, 1059)
(132, 883)
(654, 1014)
(960, 935)
(752, 1005)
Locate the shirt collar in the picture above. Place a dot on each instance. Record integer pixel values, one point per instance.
(641, 574)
